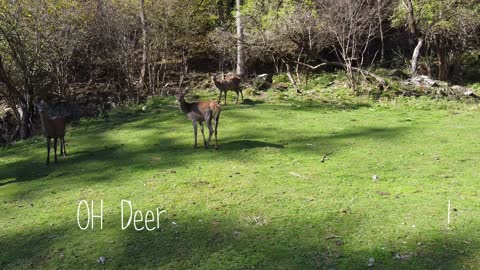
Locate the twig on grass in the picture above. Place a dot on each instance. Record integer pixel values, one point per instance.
(448, 215)
(297, 175)
(325, 156)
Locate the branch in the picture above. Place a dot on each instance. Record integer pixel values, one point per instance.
(310, 66)
(336, 64)
(11, 89)
(290, 77)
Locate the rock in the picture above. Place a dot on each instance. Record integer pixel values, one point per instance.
(263, 82)
(460, 90)
(102, 260)
(423, 80)
(332, 236)
(470, 93)
(266, 77)
(371, 262)
(403, 256)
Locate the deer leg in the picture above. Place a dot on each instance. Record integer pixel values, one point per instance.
(215, 130)
(64, 147)
(219, 97)
(48, 150)
(61, 146)
(241, 94)
(208, 118)
(225, 98)
(203, 134)
(55, 148)
(195, 132)
(210, 129)
(238, 97)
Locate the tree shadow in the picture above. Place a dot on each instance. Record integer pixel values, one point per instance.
(374, 132)
(222, 237)
(247, 144)
(313, 105)
(251, 102)
(199, 241)
(25, 170)
(106, 157)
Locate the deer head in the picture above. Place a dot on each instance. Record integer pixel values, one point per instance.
(42, 107)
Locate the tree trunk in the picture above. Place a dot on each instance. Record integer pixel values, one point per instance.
(379, 14)
(415, 56)
(24, 122)
(350, 75)
(290, 77)
(144, 40)
(412, 25)
(240, 41)
(442, 65)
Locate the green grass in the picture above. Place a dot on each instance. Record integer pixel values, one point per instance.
(264, 200)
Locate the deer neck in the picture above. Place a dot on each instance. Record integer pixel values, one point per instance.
(185, 106)
(45, 120)
(217, 83)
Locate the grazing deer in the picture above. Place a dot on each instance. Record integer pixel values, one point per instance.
(199, 112)
(53, 127)
(231, 82)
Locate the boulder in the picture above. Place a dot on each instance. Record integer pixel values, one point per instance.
(423, 80)
(263, 81)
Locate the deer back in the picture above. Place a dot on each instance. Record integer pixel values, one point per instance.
(232, 81)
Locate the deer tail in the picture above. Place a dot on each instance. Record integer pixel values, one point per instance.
(214, 106)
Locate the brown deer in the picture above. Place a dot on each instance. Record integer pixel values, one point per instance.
(53, 127)
(199, 112)
(231, 82)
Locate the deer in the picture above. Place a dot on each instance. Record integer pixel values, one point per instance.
(53, 127)
(199, 112)
(231, 82)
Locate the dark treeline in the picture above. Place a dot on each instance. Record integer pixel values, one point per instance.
(100, 53)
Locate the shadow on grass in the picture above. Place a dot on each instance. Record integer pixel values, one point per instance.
(247, 144)
(234, 243)
(250, 102)
(373, 132)
(25, 170)
(99, 157)
(218, 239)
(108, 155)
(331, 105)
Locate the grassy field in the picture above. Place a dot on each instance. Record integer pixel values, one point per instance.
(265, 199)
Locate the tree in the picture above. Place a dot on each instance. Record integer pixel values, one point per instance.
(447, 26)
(144, 40)
(36, 42)
(353, 27)
(240, 40)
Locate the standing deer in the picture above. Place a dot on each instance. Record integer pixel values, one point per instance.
(231, 82)
(199, 112)
(53, 127)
